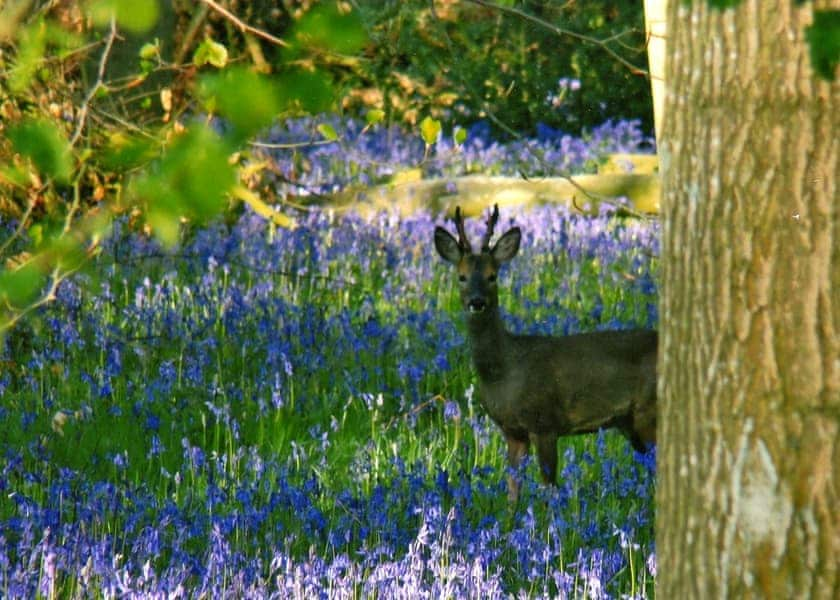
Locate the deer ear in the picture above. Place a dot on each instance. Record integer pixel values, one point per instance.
(447, 246)
(507, 246)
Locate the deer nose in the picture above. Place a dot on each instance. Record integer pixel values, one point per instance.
(476, 305)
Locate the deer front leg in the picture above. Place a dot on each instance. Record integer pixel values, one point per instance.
(517, 450)
(547, 453)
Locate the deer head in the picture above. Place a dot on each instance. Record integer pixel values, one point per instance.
(477, 271)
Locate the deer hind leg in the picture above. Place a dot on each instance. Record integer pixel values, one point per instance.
(644, 423)
(547, 453)
(517, 450)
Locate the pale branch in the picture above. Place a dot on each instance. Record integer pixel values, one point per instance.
(74, 207)
(562, 32)
(242, 25)
(100, 81)
(48, 296)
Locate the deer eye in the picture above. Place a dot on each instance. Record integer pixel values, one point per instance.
(491, 278)
(462, 278)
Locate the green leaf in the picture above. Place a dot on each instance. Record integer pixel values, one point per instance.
(459, 135)
(20, 287)
(210, 52)
(328, 131)
(65, 252)
(134, 16)
(247, 100)
(326, 27)
(192, 180)
(374, 116)
(45, 145)
(150, 51)
(36, 234)
(429, 130)
(823, 37)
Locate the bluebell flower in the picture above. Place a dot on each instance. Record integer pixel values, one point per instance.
(451, 411)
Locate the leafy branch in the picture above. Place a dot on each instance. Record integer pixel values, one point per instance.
(603, 44)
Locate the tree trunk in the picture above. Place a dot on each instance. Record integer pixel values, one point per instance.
(748, 492)
(656, 14)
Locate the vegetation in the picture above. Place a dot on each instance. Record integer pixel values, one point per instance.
(204, 400)
(292, 412)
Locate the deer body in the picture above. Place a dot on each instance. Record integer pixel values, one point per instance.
(538, 388)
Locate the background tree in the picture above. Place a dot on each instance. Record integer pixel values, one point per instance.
(569, 65)
(749, 455)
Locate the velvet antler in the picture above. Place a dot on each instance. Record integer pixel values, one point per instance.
(462, 234)
(491, 224)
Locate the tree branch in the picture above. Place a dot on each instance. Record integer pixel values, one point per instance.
(100, 81)
(242, 25)
(561, 31)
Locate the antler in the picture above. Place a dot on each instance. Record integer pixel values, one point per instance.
(462, 234)
(491, 223)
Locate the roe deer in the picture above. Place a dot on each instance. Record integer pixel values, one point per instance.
(537, 388)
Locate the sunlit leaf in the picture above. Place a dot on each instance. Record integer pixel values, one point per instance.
(36, 234)
(247, 100)
(150, 51)
(210, 52)
(165, 224)
(328, 131)
(823, 37)
(374, 116)
(134, 16)
(45, 145)
(429, 130)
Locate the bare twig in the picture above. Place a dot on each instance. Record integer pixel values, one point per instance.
(243, 26)
(100, 81)
(21, 225)
(561, 31)
(74, 207)
(293, 145)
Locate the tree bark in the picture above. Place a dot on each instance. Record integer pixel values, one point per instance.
(748, 492)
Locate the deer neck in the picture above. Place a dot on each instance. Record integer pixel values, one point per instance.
(488, 339)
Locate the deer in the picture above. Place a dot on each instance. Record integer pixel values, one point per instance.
(539, 388)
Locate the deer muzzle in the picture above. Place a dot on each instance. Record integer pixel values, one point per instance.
(476, 305)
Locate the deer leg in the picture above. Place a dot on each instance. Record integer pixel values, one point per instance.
(547, 453)
(517, 450)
